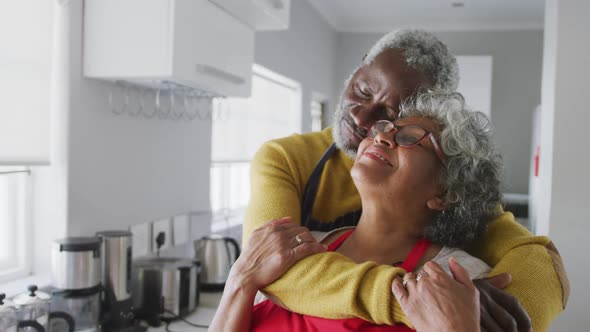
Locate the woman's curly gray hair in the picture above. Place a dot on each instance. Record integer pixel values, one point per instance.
(423, 51)
(472, 177)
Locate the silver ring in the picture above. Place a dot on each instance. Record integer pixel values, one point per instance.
(421, 275)
(406, 280)
(298, 239)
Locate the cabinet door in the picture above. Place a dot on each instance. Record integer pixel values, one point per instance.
(259, 14)
(212, 48)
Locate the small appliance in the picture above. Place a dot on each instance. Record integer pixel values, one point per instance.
(34, 313)
(164, 288)
(76, 271)
(117, 304)
(8, 315)
(216, 259)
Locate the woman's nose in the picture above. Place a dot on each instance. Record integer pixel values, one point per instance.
(386, 139)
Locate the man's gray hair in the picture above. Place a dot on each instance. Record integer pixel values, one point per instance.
(423, 51)
(473, 174)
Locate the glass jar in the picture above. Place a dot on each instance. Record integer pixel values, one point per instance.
(8, 315)
(33, 310)
(83, 304)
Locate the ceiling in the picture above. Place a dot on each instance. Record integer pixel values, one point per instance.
(436, 15)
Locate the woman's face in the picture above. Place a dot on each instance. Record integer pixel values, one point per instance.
(374, 93)
(410, 175)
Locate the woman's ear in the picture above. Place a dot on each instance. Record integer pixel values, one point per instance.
(436, 204)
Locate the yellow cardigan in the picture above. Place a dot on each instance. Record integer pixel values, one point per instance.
(332, 286)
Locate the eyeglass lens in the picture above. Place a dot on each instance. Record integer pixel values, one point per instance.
(405, 135)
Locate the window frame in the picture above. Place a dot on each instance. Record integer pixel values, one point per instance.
(24, 243)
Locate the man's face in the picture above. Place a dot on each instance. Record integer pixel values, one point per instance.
(374, 93)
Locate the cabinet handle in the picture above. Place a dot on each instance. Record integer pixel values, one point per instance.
(218, 73)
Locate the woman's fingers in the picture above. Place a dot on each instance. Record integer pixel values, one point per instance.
(434, 269)
(307, 249)
(280, 221)
(459, 273)
(400, 292)
(409, 282)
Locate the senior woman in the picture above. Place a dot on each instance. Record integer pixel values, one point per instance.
(428, 184)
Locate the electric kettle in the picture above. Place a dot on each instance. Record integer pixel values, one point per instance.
(216, 259)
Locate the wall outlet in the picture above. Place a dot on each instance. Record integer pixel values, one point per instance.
(162, 226)
(181, 229)
(141, 239)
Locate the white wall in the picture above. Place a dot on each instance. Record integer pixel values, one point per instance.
(112, 171)
(516, 82)
(564, 180)
(304, 53)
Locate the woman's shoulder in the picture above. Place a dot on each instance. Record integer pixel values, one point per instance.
(476, 268)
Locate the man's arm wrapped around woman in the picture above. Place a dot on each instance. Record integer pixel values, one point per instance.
(332, 286)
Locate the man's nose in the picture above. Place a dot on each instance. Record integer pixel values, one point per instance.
(386, 139)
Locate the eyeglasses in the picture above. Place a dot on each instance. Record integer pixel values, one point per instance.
(406, 136)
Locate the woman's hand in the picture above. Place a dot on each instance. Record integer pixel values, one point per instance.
(271, 250)
(437, 302)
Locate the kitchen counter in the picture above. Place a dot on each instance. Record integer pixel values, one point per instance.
(203, 315)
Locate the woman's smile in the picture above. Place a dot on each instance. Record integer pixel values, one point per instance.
(375, 153)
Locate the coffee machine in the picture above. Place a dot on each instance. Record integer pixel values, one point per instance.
(116, 278)
(76, 281)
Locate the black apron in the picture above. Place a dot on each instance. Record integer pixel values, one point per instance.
(309, 194)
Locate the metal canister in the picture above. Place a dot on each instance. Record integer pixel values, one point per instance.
(76, 263)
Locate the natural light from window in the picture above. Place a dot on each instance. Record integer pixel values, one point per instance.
(13, 222)
(240, 127)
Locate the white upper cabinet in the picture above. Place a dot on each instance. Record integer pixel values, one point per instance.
(188, 42)
(259, 14)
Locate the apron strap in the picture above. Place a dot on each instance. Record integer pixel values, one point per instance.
(311, 187)
(416, 254)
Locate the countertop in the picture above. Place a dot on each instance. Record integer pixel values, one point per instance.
(203, 315)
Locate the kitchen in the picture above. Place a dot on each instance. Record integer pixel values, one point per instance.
(113, 171)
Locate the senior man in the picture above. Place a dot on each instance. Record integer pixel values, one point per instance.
(307, 177)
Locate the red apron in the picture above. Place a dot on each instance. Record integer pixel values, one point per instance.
(268, 317)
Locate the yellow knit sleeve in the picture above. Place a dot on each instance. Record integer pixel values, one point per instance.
(330, 285)
(273, 191)
(539, 281)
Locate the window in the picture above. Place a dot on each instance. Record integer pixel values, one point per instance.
(14, 223)
(240, 126)
(318, 106)
(27, 35)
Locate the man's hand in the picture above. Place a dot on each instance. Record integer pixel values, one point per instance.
(500, 311)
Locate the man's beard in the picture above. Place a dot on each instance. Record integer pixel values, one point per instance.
(342, 118)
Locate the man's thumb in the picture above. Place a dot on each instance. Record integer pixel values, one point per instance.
(500, 281)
